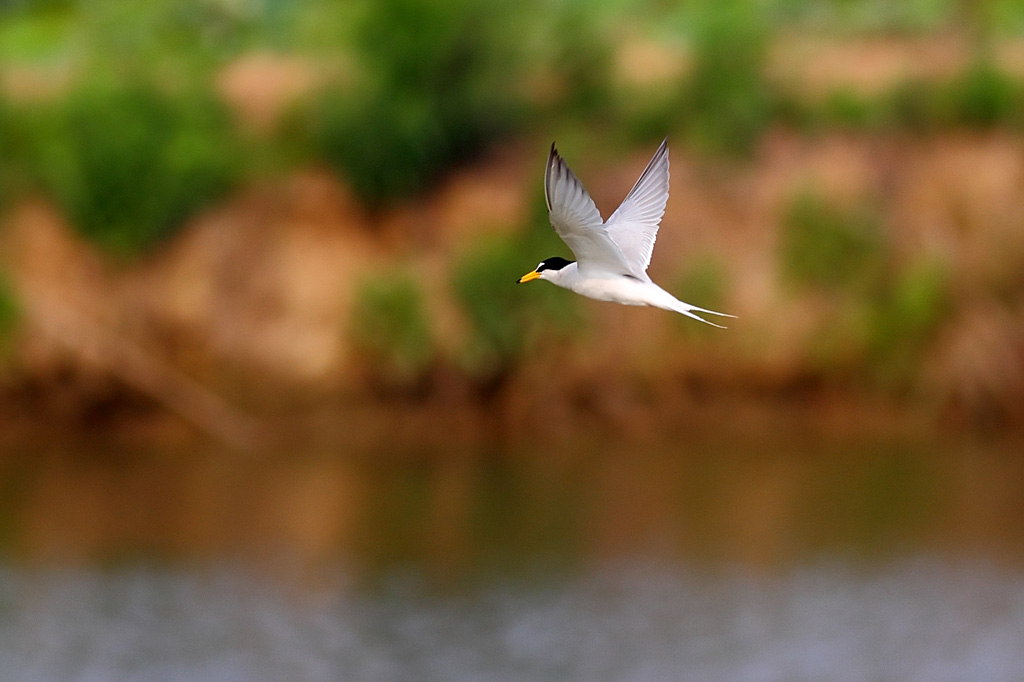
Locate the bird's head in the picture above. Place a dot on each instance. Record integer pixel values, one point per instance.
(549, 269)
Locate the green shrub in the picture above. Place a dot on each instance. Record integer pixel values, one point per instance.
(582, 58)
(6, 151)
(12, 152)
(825, 246)
(497, 310)
(728, 101)
(437, 86)
(646, 120)
(390, 329)
(905, 316)
(129, 164)
(390, 146)
(847, 109)
(10, 315)
(507, 320)
(981, 97)
(34, 30)
(882, 334)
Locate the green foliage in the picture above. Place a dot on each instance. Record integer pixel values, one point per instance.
(7, 141)
(130, 164)
(179, 39)
(438, 85)
(14, 151)
(10, 314)
(846, 109)
(728, 100)
(390, 146)
(825, 246)
(980, 97)
(389, 327)
(497, 309)
(728, 104)
(583, 59)
(882, 333)
(905, 315)
(34, 30)
(880, 316)
(507, 319)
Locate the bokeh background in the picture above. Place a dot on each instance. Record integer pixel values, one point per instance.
(272, 407)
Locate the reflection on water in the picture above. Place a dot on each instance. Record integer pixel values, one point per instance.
(918, 620)
(758, 503)
(755, 561)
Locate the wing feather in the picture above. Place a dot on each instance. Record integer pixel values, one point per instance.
(634, 224)
(578, 222)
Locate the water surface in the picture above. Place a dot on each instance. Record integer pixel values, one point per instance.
(755, 561)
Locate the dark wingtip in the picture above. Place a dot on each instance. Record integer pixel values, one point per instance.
(552, 156)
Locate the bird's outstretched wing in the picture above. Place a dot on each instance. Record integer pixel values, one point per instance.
(634, 224)
(578, 222)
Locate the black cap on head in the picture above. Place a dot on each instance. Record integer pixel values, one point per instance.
(553, 263)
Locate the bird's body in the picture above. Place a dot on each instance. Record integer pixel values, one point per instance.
(623, 289)
(611, 256)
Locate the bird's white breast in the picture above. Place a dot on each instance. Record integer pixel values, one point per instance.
(612, 288)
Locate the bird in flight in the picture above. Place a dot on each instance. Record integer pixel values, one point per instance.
(611, 255)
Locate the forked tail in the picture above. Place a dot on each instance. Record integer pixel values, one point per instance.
(692, 310)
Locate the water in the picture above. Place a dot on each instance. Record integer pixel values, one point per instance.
(914, 620)
(750, 562)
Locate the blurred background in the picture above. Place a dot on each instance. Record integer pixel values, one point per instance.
(272, 407)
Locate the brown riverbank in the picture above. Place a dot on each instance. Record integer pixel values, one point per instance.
(245, 317)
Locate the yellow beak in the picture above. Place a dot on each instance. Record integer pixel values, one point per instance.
(529, 277)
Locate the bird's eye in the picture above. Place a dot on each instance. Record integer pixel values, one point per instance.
(540, 266)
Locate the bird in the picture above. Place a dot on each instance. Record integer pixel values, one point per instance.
(611, 255)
